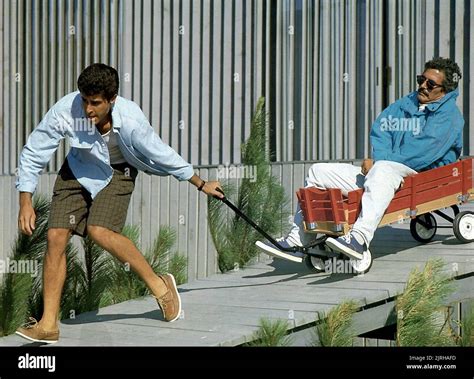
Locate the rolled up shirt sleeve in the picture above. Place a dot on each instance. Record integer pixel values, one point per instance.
(148, 143)
(41, 145)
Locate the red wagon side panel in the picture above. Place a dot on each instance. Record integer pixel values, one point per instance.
(424, 192)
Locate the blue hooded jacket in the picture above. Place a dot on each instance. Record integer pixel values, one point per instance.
(419, 139)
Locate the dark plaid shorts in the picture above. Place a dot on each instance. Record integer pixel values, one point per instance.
(73, 208)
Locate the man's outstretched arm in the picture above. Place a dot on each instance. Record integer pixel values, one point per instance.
(150, 144)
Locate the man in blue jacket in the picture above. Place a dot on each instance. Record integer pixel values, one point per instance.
(110, 139)
(420, 131)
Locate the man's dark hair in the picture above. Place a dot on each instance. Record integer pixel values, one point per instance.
(451, 71)
(99, 79)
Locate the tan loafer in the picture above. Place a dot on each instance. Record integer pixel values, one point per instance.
(34, 332)
(170, 302)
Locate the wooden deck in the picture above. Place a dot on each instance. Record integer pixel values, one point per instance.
(225, 309)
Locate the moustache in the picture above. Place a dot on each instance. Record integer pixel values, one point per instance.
(421, 91)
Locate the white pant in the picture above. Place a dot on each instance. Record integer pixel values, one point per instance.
(380, 184)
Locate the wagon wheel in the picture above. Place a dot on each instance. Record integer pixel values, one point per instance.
(361, 266)
(423, 227)
(315, 263)
(463, 226)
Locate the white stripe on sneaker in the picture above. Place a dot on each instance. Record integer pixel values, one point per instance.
(274, 252)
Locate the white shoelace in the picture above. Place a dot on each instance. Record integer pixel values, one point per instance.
(347, 238)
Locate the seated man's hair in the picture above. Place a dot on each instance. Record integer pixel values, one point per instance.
(99, 79)
(451, 71)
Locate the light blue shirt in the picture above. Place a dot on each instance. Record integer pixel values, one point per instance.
(88, 157)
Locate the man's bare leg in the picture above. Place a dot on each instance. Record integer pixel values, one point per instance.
(54, 276)
(126, 252)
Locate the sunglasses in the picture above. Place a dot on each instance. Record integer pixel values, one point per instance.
(431, 84)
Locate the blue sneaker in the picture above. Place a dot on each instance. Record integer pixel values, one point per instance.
(274, 251)
(347, 245)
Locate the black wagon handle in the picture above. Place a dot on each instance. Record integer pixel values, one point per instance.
(303, 249)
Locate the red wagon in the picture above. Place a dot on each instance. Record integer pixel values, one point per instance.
(328, 212)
